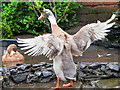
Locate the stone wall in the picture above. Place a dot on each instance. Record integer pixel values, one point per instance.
(87, 72)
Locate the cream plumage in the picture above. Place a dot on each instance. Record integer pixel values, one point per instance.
(60, 46)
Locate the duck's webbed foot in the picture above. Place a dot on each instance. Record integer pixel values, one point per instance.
(57, 86)
(69, 84)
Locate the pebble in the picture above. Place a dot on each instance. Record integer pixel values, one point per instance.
(49, 65)
(95, 64)
(19, 77)
(36, 65)
(13, 71)
(43, 63)
(113, 67)
(38, 73)
(82, 65)
(23, 67)
(30, 75)
(18, 64)
(40, 64)
(3, 69)
(103, 68)
(103, 63)
(46, 73)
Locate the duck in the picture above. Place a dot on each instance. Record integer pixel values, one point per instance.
(11, 54)
(60, 47)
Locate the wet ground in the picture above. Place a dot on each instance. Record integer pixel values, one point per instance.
(106, 83)
(45, 85)
(92, 54)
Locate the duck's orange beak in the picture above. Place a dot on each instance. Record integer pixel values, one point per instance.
(41, 17)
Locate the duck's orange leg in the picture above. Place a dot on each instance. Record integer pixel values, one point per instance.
(69, 84)
(58, 80)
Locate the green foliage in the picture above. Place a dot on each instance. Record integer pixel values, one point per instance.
(21, 17)
(6, 30)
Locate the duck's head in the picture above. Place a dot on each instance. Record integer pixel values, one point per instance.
(12, 49)
(46, 13)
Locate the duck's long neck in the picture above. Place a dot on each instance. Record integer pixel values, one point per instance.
(52, 20)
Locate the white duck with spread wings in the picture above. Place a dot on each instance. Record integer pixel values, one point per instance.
(60, 46)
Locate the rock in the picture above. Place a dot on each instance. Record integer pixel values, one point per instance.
(36, 65)
(3, 69)
(45, 80)
(43, 63)
(30, 78)
(103, 68)
(81, 74)
(19, 77)
(82, 65)
(46, 73)
(13, 71)
(49, 69)
(33, 79)
(94, 65)
(40, 64)
(30, 75)
(23, 67)
(38, 73)
(1, 80)
(113, 67)
(103, 63)
(35, 69)
(18, 64)
(93, 83)
(49, 65)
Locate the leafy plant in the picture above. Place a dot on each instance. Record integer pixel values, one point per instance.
(6, 30)
(20, 16)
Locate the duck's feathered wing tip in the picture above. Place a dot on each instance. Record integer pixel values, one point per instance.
(112, 18)
(92, 32)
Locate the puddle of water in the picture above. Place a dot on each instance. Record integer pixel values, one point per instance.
(109, 83)
(92, 54)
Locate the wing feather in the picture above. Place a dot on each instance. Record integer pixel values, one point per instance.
(47, 45)
(92, 32)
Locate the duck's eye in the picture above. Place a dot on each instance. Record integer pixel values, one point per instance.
(47, 13)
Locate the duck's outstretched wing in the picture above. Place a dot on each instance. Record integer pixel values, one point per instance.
(47, 45)
(92, 32)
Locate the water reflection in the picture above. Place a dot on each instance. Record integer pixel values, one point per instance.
(92, 54)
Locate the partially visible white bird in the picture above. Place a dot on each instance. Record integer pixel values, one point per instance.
(60, 46)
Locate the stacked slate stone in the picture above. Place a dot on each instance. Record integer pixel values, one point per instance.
(88, 71)
(27, 73)
(43, 72)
